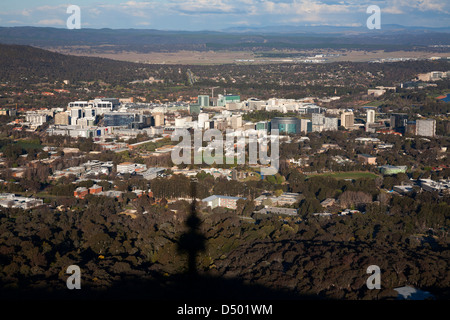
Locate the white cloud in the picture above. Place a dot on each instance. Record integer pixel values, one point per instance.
(205, 6)
(392, 10)
(442, 6)
(51, 22)
(136, 4)
(304, 7)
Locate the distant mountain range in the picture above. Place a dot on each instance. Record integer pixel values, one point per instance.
(385, 28)
(390, 37)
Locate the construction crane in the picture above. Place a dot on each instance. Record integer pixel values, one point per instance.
(212, 91)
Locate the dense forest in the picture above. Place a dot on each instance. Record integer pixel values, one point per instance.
(314, 256)
(32, 65)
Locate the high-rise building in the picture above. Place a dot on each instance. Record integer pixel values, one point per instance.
(203, 100)
(76, 113)
(305, 125)
(370, 116)
(321, 123)
(330, 124)
(317, 119)
(426, 128)
(159, 119)
(347, 119)
(399, 121)
(236, 121)
(202, 118)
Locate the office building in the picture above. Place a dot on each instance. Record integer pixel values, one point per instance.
(309, 108)
(194, 108)
(76, 113)
(118, 119)
(399, 122)
(80, 192)
(236, 121)
(10, 200)
(263, 125)
(202, 118)
(62, 118)
(305, 125)
(426, 128)
(347, 120)
(130, 120)
(130, 167)
(370, 116)
(367, 158)
(78, 104)
(222, 100)
(317, 122)
(289, 125)
(35, 119)
(215, 201)
(95, 189)
(114, 103)
(203, 100)
(159, 119)
(321, 123)
(330, 124)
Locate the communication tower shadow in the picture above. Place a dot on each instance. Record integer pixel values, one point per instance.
(192, 242)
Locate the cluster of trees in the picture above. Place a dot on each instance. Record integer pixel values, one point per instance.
(24, 64)
(317, 256)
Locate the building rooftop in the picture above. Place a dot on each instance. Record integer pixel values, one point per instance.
(213, 197)
(365, 155)
(276, 210)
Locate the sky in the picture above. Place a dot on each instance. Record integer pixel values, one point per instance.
(192, 15)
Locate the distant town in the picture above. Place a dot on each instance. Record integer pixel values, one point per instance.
(121, 125)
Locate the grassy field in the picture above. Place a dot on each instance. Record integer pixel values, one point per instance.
(216, 55)
(347, 175)
(374, 103)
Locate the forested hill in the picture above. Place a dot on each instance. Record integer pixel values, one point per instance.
(25, 63)
(235, 39)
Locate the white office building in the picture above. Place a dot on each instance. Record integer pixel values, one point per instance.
(426, 128)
